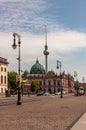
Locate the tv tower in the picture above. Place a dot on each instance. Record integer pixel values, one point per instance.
(46, 53)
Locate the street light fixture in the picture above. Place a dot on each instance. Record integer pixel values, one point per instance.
(61, 88)
(14, 47)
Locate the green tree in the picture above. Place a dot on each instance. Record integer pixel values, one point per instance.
(12, 80)
(76, 85)
(35, 86)
(25, 74)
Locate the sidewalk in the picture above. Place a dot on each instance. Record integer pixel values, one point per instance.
(2, 95)
(80, 124)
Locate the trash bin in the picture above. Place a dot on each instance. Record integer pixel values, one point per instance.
(7, 93)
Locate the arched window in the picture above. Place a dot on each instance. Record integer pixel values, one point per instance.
(54, 82)
(4, 79)
(1, 68)
(1, 79)
(44, 83)
(4, 69)
(49, 83)
(58, 82)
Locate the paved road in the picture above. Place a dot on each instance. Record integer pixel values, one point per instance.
(42, 112)
(13, 99)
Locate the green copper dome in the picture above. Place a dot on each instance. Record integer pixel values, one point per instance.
(37, 68)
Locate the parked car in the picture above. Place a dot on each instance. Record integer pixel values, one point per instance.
(40, 93)
(59, 93)
(79, 92)
(46, 93)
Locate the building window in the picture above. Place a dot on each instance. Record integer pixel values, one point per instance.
(1, 79)
(1, 90)
(49, 83)
(1, 68)
(4, 79)
(58, 82)
(44, 83)
(4, 69)
(54, 82)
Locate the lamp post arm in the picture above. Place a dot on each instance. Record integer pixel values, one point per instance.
(16, 34)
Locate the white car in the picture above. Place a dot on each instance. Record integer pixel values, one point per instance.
(46, 93)
(59, 93)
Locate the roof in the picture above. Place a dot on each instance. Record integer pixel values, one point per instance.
(37, 68)
(3, 60)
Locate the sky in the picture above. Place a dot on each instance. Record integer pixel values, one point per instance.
(66, 34)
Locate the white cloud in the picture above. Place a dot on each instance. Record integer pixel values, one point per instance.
(9, 0)
(67, 41)
(21, 15)
(63, 42)
(33, 45)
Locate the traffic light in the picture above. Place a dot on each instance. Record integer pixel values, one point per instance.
(18, 83)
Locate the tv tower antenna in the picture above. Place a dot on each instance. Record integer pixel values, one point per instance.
(46, 53)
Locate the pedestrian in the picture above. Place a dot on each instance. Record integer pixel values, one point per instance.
(28, 93)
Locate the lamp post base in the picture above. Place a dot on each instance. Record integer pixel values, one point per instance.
(61, 96)
(19, 97)
(19, 102)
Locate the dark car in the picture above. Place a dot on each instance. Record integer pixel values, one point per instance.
(40, 93)
(79, 92)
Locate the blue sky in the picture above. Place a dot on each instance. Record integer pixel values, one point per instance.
(66, 33)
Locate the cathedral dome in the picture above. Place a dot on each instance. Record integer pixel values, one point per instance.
(37, 68)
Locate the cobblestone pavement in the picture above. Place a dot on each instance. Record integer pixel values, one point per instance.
(49, 113)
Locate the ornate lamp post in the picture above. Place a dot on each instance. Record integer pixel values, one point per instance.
(76, 84)
(14, 47)
(61, 88)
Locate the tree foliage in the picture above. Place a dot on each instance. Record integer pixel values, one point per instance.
(76, 85)
(35, 86)
(25, 74)
(12, 80)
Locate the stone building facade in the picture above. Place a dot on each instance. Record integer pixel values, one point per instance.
(50, 81)
(3, 75)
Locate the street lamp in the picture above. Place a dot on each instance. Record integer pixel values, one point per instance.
(14, 47)
(61, 89)
(75, 75)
